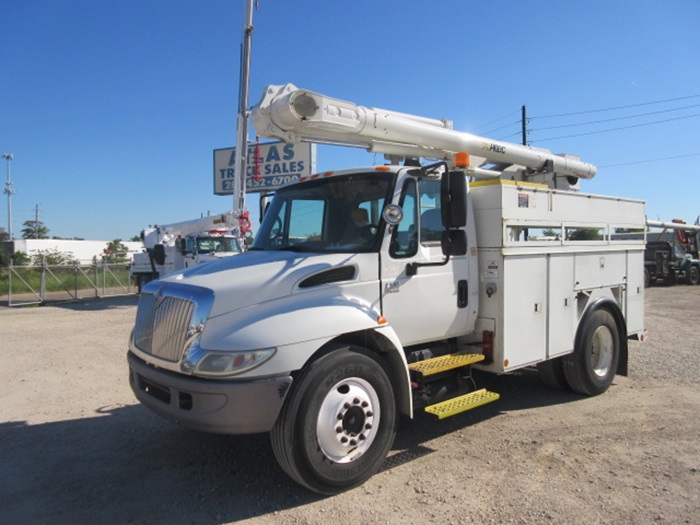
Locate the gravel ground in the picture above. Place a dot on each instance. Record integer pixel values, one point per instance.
(77, 448)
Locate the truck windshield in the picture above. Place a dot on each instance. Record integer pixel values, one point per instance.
(216, 245)
(335, 214)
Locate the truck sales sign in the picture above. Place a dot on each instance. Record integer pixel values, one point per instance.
(277, 164)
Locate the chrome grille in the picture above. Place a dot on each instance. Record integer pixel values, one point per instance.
(162, 325)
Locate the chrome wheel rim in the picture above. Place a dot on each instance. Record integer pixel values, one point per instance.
(348, 420)
(602, 351)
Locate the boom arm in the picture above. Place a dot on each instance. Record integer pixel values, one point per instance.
(220, 222)
(295, 115)
(673, 226)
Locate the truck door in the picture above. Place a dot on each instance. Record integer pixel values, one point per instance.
(433, 303)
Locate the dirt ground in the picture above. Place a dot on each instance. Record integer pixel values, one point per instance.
(77, 448)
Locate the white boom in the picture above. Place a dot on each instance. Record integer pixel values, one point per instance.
(295, 115)
(673, 225)
(166, 233)
(223, 221)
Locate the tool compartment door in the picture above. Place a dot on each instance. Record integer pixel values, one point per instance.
(524, 310)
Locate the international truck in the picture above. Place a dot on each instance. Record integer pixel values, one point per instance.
(373, 292)
(180, 245)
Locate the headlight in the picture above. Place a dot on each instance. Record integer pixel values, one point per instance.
(231, 363)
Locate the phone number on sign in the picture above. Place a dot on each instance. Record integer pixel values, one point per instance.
(271, 182)
(264, 183)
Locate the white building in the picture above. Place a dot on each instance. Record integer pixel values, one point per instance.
(83, 251)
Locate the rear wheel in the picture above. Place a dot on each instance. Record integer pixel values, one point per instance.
(338, 423)
(591, 368)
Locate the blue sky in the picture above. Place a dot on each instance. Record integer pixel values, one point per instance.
(112, 108)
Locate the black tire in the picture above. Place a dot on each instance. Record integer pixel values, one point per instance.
(693, 275)
(551, 373)
(338, 422)
(591, 368)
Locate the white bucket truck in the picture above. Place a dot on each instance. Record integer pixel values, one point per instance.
(180, 245)
(370, 293)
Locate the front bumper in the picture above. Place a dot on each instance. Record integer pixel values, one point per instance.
(210, 405)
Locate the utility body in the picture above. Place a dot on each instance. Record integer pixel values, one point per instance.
(177, 246)
(373, 292)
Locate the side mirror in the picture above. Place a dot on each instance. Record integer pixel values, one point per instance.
(159, 254)
(182, 246)
(454, 243)
(453, 199)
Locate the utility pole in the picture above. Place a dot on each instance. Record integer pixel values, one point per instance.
(242, 132)
(9, 190)
(36, 222)
(524, 125)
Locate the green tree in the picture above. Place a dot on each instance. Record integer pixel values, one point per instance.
(584, 234)
(20, 259)
(116, 252)
(35, 230)
(53, 258)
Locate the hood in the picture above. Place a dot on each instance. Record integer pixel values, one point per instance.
(259, 276)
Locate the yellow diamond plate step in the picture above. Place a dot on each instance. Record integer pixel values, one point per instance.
(444, 363)
(461, 404)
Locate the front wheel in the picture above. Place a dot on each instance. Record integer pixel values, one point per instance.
(591, 368)
(338, 423)
(693, 275)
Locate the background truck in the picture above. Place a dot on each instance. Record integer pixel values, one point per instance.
(373, 292)
(180, 245)
(671, 255)
(666, 261)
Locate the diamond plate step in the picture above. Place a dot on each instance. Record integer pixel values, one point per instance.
(444, 363)
(461, 404)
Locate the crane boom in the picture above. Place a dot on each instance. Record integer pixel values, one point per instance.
(225, 221)
(295, 115)
(673, 225)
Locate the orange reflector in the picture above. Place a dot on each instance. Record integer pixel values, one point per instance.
(328, 173)
(382, 168)
(462, 159)
(506, 363)
(382, 320)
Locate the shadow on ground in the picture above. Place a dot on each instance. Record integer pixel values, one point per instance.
(125, 465)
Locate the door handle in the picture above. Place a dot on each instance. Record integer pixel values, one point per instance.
(462, 293)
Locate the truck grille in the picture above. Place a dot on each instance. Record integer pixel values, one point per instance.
(161, 326)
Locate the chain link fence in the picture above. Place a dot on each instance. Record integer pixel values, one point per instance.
(44, 283)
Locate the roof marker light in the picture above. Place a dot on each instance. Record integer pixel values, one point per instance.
(462, 159)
